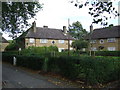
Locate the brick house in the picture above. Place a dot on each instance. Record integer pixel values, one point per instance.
(107, 39)
(4, 44)
(44, 36)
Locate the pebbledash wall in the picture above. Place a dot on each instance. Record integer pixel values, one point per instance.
(61, 44)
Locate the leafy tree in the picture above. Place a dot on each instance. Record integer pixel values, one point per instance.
(77, 31)
(97, 8)
(15, 16)
(79, 44)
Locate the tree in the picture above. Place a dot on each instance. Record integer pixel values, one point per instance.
(76, 30)
(15, 16)
(97, 8)
(79, 44)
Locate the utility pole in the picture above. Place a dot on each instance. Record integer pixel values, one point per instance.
(91, 30)
(68, 38)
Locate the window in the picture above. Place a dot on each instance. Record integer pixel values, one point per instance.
(101, 41)
(93, 48)
(53, 42)
(111, 48)
(43, 40)
(32, 40)
(111, 40)
(60, 49)
(70, 42)
(61, 41)
(93, 41)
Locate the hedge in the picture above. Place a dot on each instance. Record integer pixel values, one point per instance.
(107, 53)
(91, 70)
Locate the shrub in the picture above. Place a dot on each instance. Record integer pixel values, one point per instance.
(107, 53)
(33, 61)
(92, 70)
(45, 51)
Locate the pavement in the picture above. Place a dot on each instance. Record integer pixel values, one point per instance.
(14, 77)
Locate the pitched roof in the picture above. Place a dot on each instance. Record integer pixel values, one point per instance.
(47, 33)
(110, 32)
(4, 40)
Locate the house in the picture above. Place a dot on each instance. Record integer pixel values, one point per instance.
(107, 39)
(44, 36)
(4, 44)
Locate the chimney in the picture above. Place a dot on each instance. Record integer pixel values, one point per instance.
(64, 29)
(34, 26)
(91, 28)
(45, 26)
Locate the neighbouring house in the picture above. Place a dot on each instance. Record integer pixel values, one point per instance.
(4, 43)
(107, 39)
(44, 36)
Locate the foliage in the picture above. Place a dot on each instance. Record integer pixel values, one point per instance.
(97, 9)
(39, 50)
(15, 16)
(33, 61)
(76, 30)
(12, 46)
(92, 70)
(107, 53)
(79, 44)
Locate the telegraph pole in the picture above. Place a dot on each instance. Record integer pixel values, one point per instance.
(68, 38)
(91, 30)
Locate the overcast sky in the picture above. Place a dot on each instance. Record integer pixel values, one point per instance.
(55, 14)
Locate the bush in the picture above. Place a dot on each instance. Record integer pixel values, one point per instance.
(107, 53)
(32, 62)
(45, 51)
(92, 70)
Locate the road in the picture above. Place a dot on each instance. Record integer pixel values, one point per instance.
(14, 77)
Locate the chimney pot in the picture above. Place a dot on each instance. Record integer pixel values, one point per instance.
(64, 29)
(45, 26)
(34, 26)
(91, 28)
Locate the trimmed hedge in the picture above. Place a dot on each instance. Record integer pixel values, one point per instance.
(107, 53)
(92, 70)
(32, 62)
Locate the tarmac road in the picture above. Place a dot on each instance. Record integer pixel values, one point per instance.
(13, 77)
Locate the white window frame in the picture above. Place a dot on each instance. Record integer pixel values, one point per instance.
(31, 40)
(93, 49)
(93, 41)
(101, 40)
(54, 41)
(61, 41)
(111, 40)
(60, 49)
(111, 48)
(71, 42)
(43, 40)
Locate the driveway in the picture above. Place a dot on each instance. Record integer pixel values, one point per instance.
(14, 77)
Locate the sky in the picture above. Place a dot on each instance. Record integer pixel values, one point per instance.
(55, 14)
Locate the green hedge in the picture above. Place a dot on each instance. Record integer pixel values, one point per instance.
(32, 62)
(107, 53)
(92, 70)
(89, 69)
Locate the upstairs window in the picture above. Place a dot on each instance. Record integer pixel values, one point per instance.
(32, 40)
(61, 41)
(101, 41)
(111, 40)
(43, 40)
(93, 41)
(94, 49)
